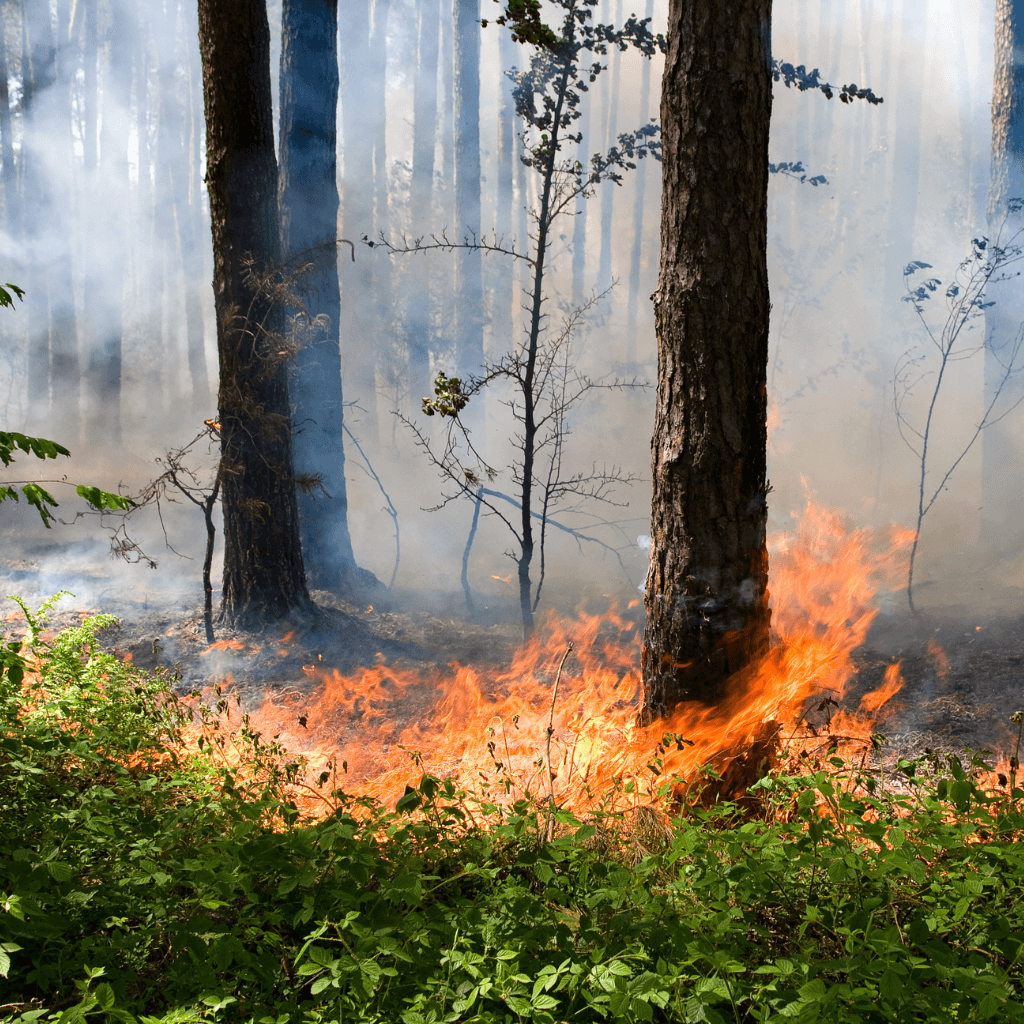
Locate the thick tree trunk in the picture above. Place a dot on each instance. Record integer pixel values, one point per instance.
(264, 577)
(707, 599)
(308, 195)
(1002, 466)
(469, 319)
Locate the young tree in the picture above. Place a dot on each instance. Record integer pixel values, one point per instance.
(928, 367)
(264, 578)
(540, 372)
(309, 224)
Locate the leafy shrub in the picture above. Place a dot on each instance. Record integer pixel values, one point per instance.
(143, 878)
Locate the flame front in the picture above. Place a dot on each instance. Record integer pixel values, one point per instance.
(500, 731)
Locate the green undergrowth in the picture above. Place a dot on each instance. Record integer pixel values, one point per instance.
(140, 882)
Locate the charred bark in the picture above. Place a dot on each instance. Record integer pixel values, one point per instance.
(707, 599)
(264, 578)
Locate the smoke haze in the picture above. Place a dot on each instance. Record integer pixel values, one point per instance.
(106, 226)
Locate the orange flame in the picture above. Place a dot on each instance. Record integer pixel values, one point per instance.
(487, 727)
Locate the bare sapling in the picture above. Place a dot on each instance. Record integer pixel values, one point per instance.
(538, 380)
(927, 367)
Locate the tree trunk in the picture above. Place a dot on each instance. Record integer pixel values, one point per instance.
(308, 194)
(103, 374)
(1002, 467)
(357, 205)
(503, 325)
(65, 366)
(188, 244)
(419, 313)
(608, 189)
(264, 577)
(638, 211)
(707, 598)
(469, 318)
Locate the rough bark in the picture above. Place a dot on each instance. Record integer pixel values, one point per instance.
(707, 599)
(308, 196)
(1001, 462)
(264, 578)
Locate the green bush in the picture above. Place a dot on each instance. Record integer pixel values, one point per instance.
(140, 880)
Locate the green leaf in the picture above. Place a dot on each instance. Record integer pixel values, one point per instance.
(59, 871)
(104, 499)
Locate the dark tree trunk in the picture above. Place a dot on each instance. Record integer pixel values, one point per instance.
(308, 195)
(264, 577)
(469, 320)
(1002, 466)
(707, 599)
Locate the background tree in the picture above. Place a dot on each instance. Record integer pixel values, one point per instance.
(1002, 466)
(264, 577)
(309, 224)
(469, 313)
(707, 589)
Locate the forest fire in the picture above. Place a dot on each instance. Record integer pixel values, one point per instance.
(569, 699)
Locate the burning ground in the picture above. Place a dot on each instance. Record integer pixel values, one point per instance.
(377, 693)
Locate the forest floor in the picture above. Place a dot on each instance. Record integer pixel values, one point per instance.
(963, 673)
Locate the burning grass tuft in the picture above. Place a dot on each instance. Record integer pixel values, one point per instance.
(159, 868)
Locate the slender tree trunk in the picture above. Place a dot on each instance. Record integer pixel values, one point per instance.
(419, 312)
(308, 195)
(1002, 466)
(382, 310)
(65, 366)
(37, 68)
(608, 189)
(639, 242)
(469, 319)
(264, 578)
(6, 142)
(357, 85)
(707, 597)
(504, 327)
(579, 228)
(103, 374)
